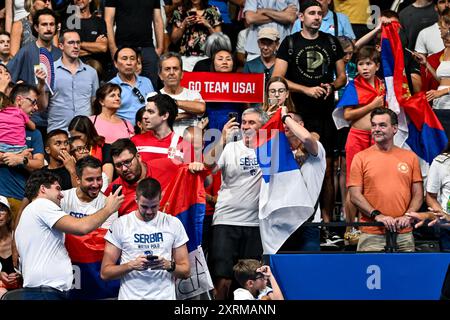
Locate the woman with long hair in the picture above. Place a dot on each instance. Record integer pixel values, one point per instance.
(81, 126)
(105, 119)
(277, 95)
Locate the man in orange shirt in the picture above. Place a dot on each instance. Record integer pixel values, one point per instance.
(385, 183)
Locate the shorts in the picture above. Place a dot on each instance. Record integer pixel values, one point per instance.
(357, 140)
(231, 243)
(377, 242)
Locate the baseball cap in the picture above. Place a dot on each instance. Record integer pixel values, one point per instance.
(308, 3)
(4, 201)
(269, 33)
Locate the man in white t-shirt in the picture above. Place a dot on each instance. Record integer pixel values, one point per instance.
(190, 102)
(235, 231)
(44, 261)
(429, 40)
(151, 246)
(311, 159)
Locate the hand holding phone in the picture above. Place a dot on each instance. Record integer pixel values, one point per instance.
(115, 187)
(234, 115)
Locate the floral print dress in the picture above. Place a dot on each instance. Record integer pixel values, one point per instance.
(194, 37)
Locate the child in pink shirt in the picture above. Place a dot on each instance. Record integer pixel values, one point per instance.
(12, 126)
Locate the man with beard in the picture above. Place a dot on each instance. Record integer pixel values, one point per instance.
(39, 236)
(86, 199)
(151, 246)
(130, 168)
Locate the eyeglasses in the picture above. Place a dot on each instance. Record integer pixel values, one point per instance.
(80, 149)
(32, 101)
(126, 163)
(280, 91)
(138, 95)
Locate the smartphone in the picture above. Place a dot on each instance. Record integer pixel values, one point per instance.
(192, 13)
(151, 257)
(234, 115)
(115, 187)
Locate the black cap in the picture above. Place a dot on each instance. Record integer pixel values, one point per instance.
(309, 3)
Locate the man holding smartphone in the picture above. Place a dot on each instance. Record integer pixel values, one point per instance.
(151, 246)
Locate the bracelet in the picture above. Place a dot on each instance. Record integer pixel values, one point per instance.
(283, 118)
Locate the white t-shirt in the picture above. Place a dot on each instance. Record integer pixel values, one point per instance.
(44, 259)
(439, 179)
(238, 197)
(244, 294)
(313, 172)
(158, 237)
(185, 95)
(429, 40)
(79, 209)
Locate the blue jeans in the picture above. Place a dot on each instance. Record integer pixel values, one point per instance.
(38, 293)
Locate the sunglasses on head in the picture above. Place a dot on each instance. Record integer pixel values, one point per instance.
(138, 95)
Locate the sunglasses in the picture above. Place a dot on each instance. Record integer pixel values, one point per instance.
(138, 94)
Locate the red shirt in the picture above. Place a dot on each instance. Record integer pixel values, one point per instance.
(129, 191)
(151, 148)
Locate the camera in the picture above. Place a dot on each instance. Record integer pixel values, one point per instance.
(234, 115)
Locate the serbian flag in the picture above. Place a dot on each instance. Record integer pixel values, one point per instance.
(86, 253)
(424, 133)
(184, 198)
(358, 92)
(46, 62)
(284, 201)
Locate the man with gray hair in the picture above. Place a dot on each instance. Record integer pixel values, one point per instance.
(190, 102)
(268, 42)
(235, 227)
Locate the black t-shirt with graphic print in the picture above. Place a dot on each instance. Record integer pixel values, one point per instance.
(313, 62)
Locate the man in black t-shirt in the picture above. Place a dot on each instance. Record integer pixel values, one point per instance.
(134, 19)
(92, 31)
(310, 68)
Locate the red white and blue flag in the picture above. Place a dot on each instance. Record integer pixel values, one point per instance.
(424, 133)
(46, 62)
(184, 197)
(284, 202)
(86, 254)
(358, 92)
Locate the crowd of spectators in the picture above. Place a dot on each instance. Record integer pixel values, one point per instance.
(111, 111)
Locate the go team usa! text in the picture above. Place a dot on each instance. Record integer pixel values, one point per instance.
(227, 309)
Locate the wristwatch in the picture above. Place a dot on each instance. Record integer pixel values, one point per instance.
(173, 265)
(374, 213)
(283, 118)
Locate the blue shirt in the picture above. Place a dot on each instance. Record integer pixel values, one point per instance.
(13, 179)
(345, 28)
(257, 66)
(22, 68)
(72, 95)
(130, 101)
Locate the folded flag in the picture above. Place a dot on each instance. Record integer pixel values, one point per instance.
(184, 198)
(284, 202)
(357, 92)
(86, 253)
(424, 133)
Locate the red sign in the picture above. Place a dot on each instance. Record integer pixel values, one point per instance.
(226, 87)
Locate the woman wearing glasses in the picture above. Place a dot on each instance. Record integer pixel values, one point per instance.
(105, 118)
(82, 127)
(79, 149)
(277, 95)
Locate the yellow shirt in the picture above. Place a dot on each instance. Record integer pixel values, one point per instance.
(356, 10)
